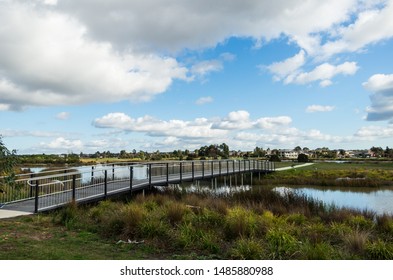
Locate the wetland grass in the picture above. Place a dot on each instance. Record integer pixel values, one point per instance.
(253, 224)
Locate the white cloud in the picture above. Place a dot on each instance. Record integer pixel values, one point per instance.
(324, 73)
(371, 133)
(75, 52)
(287, 67)
(202, 68)
(273, 122)
(49, 59)
(62, 144)
(63, 116)
(204, 100)
(371, 26)
(234, 120)
(319, 108)
(199, 128)
(382, 98)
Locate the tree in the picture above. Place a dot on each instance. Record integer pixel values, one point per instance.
(302, 158)
(224, 150)
(275, 158)
(8, 160)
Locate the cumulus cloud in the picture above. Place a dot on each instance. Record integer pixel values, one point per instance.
(49, 58)
(201, 128)
(198, 128)
(287, 67)
(373, 132)
(382, 98)
(371, 25)
(273, 122)
(75, 52)
(63, 144)
(323, 73)
(167, 24)
(319, 108)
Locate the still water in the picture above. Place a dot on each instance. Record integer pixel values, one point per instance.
(378, 200)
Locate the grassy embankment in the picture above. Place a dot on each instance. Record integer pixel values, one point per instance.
(351, 174)
(256, 224)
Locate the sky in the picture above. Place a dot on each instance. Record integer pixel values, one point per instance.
(91, 75)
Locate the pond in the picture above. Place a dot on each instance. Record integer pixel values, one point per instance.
(378, 200)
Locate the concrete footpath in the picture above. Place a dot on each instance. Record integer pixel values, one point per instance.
(4, 214)
(292, 167)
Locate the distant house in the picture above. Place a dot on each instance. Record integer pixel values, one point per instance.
(289, 154)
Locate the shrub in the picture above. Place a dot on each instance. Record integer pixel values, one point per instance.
(247, 249)
(318, 251)
(175, 211)
(379, 250)
(356, 241)
(240, 223)
(131, 216)
(281, 244)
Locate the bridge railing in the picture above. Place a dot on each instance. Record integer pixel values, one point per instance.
(56, 188)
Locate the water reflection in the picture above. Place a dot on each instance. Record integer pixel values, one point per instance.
(379, 201)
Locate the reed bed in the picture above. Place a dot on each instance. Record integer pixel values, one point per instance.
(255, 224)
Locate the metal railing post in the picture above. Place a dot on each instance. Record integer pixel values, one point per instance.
(203, 169)
(167, 173)
(212, 167)
(73, 187)
(149, 176)
(181, 172)
(106, 184)
(36, 196)
(131, 177)
(31, 186)
(193, 170)
(92, 175)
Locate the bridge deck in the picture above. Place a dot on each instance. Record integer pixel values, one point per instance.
(56, 190)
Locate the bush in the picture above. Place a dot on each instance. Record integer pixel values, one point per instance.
(302, 158)
(247, 249)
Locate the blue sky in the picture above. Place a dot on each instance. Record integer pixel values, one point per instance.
(87, 76)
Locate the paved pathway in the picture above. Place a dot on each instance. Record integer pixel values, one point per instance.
(4, 214)
(292, 167)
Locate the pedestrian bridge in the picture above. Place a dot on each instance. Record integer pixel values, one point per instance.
(48, 190)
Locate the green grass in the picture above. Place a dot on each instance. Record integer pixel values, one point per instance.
(255, 224)
(351, 174)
